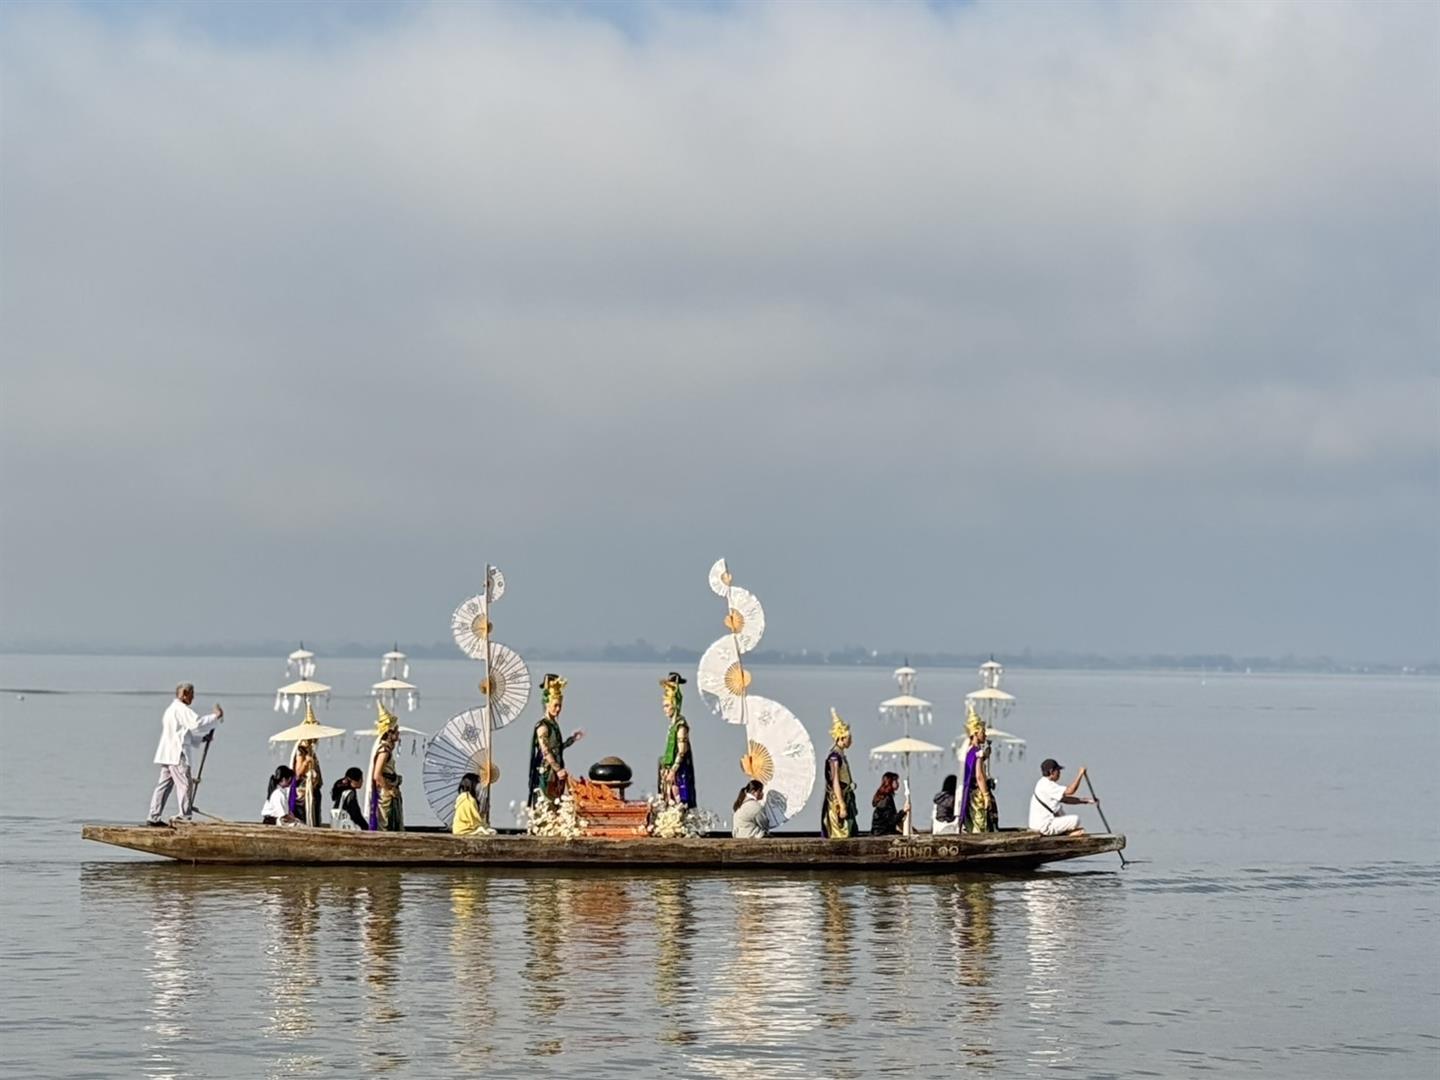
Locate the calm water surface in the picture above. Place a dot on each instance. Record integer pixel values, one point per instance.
(1282, 921)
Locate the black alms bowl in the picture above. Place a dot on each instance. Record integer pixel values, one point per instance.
(610, 770)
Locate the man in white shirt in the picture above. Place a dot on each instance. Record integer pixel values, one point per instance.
(1045, 816)
(181, 730)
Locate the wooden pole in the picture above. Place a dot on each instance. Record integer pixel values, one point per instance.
(195, 782)
(485, 717)
(1123, 862)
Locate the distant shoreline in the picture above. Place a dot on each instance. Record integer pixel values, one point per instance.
(641, 652)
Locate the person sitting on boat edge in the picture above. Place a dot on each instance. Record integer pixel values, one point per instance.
(276, 810)
(467, 820)
(751, 822)
(1045, 816)
(181, 729)
(677, 766)
(345, 802)
(839, 816)
(944, 820)
(887, 821)
(384, 805)
(547, 746)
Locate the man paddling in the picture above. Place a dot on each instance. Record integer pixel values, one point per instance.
(181, 729)
(1045, 815)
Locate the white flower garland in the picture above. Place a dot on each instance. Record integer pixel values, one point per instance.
(672, 820)
(547, 818)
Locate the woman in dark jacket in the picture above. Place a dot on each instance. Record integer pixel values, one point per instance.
(887, 820)
(945, 807)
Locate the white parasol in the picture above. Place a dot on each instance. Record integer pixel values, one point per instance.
(905, 707)
(905, 746)
(905, 701)
(365, 738)
(901, 749)
(296, 696)
(993, 705)
(307, 729)
(303, 731)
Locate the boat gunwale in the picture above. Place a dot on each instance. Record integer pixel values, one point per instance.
(246, 843)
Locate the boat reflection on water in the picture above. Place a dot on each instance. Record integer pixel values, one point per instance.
(889, 912)
(837, 970)
(1062, 913)
(967, 908)
(674, 927)
(757, 1016)
(547, 902)
(379, 902)
(176, 981)
(292, 914)
(472, 961)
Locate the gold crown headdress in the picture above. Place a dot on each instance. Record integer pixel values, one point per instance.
(552, 689)
(838, 728)
(385, 721)
(973, 723)
(671, 694)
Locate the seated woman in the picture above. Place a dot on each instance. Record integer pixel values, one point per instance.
(887, 821)
(945, 820)
(276, 810)
(750, 821)
(345, 802)
(467, 820)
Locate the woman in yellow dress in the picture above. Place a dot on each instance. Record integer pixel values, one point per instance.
(467, 820)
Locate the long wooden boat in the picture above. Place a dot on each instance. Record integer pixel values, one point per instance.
(240, 843)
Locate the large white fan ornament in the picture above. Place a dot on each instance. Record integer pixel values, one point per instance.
(464, 745)
(781, 756)
(457, 750)
(778, 750)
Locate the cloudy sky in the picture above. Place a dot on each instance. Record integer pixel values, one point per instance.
(959, 327)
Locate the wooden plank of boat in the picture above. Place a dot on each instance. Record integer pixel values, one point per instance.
(237, 843)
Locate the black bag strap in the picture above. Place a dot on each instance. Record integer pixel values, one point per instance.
(1054, 810)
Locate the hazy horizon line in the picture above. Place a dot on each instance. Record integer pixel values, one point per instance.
(641, 651)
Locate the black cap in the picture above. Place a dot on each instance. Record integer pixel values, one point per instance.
(1050, 765)
(676, 677)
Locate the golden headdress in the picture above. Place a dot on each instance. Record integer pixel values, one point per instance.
(552, 689)
(973, 723)
(838, 728)
(671, 694)
(386, 721)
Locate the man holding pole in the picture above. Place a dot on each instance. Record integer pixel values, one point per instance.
(1045, 815)
(181, 728)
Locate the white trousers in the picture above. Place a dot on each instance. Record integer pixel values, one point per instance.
(177, 777)
(1062, 824)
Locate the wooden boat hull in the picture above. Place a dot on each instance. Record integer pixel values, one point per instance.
(247, 844)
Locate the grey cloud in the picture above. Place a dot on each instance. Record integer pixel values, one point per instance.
(1027, 298)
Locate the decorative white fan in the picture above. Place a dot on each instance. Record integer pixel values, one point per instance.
(509, 685)
(781, 756)
(722, 677)
(458, 749)
(723, 680)
(465, 743)
(468, 627)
